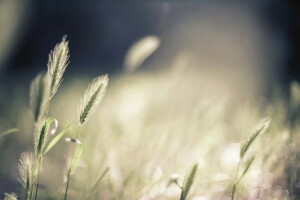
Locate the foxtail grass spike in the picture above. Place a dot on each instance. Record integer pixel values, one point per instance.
(27, 166)
(39, 96)
(92, 97)
(57, 63)
(260, 129)
(10, 196)
(42, 134)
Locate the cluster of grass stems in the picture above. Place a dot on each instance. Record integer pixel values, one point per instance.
(42, 90)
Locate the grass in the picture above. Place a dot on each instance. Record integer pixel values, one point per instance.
(139, 140)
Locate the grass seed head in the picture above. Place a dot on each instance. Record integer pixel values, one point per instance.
(92, 97)
(57, 63)
(10, 196)
(26, 167)
(39, 96)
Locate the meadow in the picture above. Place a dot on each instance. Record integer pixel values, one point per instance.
(160, 134)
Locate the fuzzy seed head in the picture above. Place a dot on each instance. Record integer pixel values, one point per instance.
(10, 196)
(39, 96)
(92, 97)
(26, 169)
(57, 63)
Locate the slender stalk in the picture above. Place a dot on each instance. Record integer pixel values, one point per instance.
(69, 170)
(26, 193)
(235, 181)
(30, 194)
(37, 179)
(67, 185)
(233, 191)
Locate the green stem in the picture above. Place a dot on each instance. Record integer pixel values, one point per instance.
(235, 181)
(26, 193)
(30, 193)
(233, 192)
(67, 186)
(69, 170)
(37, 179)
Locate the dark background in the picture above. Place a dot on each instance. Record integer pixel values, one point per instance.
(100, 32)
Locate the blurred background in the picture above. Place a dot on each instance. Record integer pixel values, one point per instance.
(200, 57)
(241, 37)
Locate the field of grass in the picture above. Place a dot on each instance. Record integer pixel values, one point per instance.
(161, 134)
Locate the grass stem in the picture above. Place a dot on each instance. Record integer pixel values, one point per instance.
(69, 170)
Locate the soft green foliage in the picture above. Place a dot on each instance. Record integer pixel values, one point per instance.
(12, 130)
(189, 180)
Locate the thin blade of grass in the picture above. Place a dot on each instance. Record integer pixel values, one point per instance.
(188, 182)
(78, 151)
(97, 185)
(56, 139)
(12, 130)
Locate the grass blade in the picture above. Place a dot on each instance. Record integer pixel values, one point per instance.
(78, 151)
(188, 182)
(56, 139)
(12, 130)
(97, 185)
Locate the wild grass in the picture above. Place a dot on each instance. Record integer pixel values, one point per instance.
(158, 135)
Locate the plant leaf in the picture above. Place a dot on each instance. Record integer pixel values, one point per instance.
(12, 130)
(78, 151)
(56, 138)
(261, 127)
(97, 185)
(188, 182)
